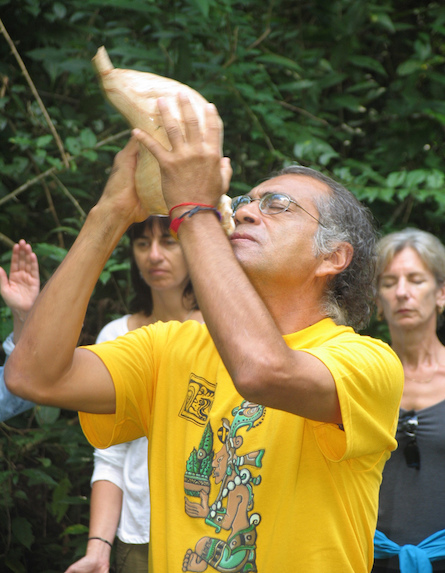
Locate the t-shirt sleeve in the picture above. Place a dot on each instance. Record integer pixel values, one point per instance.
(369, 380)
(130, 359)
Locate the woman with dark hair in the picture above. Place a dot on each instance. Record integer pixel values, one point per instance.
(120, 501)
(142, 301)
(410, 533)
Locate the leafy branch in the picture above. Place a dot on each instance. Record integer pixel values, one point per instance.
(56, 169)
(35, 93)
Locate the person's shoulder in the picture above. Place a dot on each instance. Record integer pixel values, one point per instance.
(320, 333)
(113, 329)
(374, 350)
(327, 334)
(350, 336)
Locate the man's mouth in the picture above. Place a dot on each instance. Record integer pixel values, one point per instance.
(239, 236)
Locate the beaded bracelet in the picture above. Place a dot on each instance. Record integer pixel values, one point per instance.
(101, 539)
(175, 224)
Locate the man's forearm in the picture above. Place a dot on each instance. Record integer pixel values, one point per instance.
(228, 299)
(46, 346)
(246, 332)
(45, 367)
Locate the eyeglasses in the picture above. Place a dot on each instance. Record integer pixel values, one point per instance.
(270, 204)
(408, 425)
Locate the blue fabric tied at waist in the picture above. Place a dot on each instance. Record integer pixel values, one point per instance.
(412, 558)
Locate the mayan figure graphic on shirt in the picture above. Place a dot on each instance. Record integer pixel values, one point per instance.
(233, 507)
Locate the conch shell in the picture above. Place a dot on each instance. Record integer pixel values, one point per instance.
(134, 95)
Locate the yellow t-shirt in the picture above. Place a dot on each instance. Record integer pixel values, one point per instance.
(245, 487)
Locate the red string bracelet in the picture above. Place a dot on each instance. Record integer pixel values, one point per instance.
(176, 223)
(187, 205)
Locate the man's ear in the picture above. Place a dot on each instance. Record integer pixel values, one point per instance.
(336, 262)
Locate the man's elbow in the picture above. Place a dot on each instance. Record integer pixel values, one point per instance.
(16, 381)
(253, 384)
(11, 378)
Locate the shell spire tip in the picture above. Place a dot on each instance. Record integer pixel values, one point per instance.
(102, 62)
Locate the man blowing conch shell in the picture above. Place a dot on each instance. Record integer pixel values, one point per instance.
(275, 402)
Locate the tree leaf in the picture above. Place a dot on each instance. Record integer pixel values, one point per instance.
(409, 67)
(396, 179)
(368, 63)
(22, 530)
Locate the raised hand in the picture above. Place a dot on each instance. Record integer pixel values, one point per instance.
(120, 194)
(22, 287)
(193, 170)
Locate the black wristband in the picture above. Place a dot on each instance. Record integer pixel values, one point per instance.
(174, 225)
(101, 539)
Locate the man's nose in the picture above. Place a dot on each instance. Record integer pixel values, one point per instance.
(248, 213)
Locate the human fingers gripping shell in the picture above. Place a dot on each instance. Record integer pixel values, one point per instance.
(120, 192)
(126, 157)
(206, 142)
(214, 124)
(190, 129)
(191, 171)
(124, 164)
(175, 127)
(135, 95)
(193, 128)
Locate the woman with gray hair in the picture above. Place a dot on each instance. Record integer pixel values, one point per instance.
(410, 276)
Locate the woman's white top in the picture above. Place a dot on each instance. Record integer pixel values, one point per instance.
(126, 466)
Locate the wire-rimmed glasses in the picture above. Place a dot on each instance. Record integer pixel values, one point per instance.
(270, 204)
(408, 425)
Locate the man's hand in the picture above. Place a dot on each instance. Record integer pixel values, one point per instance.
(193, 170)
(120, 191)
(21, 289)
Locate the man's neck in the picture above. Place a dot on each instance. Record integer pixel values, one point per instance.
(292, 314)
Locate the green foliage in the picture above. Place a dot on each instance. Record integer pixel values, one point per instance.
(351, 87)
(44, 487)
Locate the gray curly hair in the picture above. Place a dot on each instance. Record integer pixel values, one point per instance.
(350, 295)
